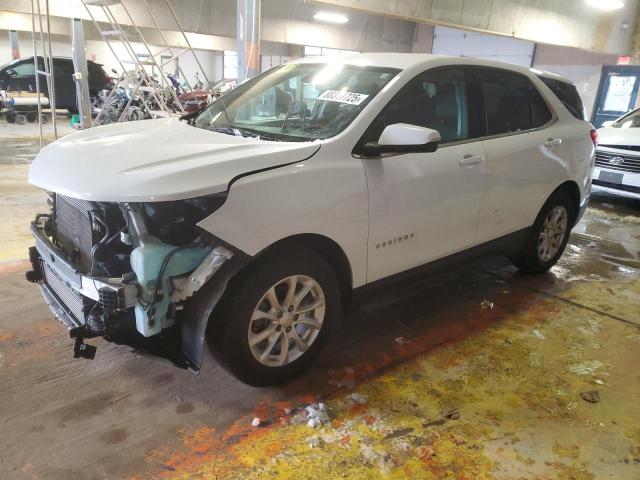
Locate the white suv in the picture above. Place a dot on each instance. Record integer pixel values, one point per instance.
(256, 222)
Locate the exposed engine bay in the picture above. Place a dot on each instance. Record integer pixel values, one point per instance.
(114, 269)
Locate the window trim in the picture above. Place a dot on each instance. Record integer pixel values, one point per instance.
(552, 120)
(467, 69)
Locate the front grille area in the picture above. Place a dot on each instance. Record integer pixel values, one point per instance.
(72, 300)
(618, 161)
(73, 231)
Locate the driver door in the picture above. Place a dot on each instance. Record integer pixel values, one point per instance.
(425, 206)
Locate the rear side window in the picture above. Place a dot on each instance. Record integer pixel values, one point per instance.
(568, 95)
(511, 101)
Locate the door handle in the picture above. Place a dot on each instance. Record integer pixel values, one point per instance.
(470, 160)
(552, 142)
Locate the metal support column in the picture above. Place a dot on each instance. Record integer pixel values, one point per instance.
(248, 38)
(81, 72)
(15, 45)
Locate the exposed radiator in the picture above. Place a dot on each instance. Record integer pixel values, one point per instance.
(74, 302)
(73, 230)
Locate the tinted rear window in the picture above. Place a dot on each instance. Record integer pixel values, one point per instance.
(511, 101)
(568, 95)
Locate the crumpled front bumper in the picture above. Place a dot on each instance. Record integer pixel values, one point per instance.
(70, 294)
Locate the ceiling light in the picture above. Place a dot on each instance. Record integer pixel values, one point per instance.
(606, 4)
(330, 17)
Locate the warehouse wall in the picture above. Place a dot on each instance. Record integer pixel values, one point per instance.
(461, 43)
(283, 21)
(567, 23)
(583, 68)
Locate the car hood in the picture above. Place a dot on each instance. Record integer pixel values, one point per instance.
(619, 136)
(155, 160)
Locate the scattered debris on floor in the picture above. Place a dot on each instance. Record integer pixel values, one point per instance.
(585, 368)
(591, 396)
(402, 341)
(538, 334)
(313, 415)
(256, 422)
(451, 413)
(398, 433)
(357, 398)
(486, 304)
(315, 442)
(434, 423)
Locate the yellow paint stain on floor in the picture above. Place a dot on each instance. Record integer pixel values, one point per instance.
(517, 392)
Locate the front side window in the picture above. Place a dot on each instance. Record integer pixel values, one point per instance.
(297, 102)
(435, 99)
(630, 120)
(511, 101)
(23, 69)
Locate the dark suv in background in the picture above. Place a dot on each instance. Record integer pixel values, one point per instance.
(20, 75)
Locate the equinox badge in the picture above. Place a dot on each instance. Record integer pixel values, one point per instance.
(616, 160)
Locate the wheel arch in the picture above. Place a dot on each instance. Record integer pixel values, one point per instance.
(329, 250)
(573, 190)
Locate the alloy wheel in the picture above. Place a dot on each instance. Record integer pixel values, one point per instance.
(286, 321)
(552, 235)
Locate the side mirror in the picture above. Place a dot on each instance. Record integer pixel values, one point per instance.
(11, 73)
(404, 138)
(608, 123)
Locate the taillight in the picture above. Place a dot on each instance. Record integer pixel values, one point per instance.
(594, 137)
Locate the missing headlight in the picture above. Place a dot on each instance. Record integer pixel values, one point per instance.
(175, 222)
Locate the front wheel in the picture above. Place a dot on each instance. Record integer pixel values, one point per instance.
(276, 317)
(548, 236)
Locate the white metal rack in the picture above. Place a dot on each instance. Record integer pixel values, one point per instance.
(114, 32)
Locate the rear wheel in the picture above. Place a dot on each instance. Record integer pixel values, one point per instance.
(548, 236)
(275, 317)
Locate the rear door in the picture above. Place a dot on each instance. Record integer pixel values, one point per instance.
(526, 149)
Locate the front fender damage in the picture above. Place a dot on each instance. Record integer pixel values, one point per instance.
(199, 309)
(179, 282)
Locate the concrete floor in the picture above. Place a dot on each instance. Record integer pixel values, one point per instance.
(444, 388)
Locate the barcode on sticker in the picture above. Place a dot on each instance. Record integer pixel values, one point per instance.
(343, 97)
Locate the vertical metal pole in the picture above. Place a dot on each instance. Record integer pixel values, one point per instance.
(248, 14)
(52, 94)
(47, 70)
(35, 63)
(15, 45)
(81, 72)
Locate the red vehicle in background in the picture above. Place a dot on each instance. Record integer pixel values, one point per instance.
(198, 98)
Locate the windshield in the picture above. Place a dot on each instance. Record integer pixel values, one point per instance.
(296, 102)
(630, 120)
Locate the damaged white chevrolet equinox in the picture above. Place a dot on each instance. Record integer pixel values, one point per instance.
(249, 227)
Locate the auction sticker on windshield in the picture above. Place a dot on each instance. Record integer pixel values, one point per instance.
(343, 97)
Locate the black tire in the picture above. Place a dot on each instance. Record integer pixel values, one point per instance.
(228, 330)
(32, 117)
(528, 260)
(11, 117)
